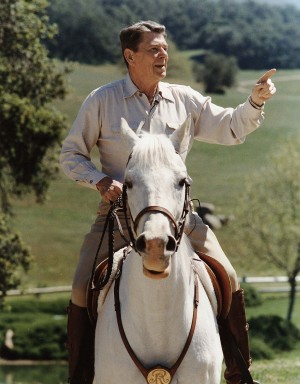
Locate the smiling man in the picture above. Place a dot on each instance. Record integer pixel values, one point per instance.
(148, 64)
(149, 105)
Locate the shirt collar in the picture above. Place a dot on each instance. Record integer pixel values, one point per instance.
(130, 89)
(164, 89)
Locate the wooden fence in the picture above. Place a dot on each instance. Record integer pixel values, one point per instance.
(267, 284)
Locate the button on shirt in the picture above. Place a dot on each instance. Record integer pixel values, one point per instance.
(99, 119)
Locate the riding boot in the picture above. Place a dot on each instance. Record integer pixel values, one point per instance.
(80, 344)
(234, 339)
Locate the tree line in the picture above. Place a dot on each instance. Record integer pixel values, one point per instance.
(258, 35)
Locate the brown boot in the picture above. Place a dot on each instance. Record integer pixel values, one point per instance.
(80, 344)
(234, 339)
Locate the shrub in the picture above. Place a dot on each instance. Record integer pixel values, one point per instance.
(39, 329)
(275, 331)
(260, 349)
(39, 340)
(252, 297)
(55, 307)
(217, 72)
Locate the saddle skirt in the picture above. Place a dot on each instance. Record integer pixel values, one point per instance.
(96, 298)
(220, 281)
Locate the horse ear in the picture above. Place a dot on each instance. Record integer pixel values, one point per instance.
(182, 137)
(128, 135)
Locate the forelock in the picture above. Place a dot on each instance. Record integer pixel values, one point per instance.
(154, 150)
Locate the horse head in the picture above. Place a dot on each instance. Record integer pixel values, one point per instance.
(157, 194)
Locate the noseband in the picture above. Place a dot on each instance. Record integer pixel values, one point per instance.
(178, 226)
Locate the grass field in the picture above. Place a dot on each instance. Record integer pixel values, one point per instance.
(54, 231)
(283, 369)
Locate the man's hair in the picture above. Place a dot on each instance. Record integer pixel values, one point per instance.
(130, 37)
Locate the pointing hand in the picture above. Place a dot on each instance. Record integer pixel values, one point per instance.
(264, 89)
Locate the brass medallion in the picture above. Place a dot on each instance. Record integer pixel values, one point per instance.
(159, 376)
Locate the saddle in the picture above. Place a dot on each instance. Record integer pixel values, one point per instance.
(95, 295)
(220, 281)
(217, 273)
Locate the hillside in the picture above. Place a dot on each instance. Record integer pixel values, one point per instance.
(55, 230)
(258, 34)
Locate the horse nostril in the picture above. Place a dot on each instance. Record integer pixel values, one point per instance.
(140, 243)
(171, 244)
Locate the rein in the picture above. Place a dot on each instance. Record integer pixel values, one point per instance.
(111, 217)
(157, 373)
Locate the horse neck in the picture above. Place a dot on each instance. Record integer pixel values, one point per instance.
(155, 309)
(156, 293)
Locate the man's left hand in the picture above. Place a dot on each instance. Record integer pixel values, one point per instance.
(264, 89)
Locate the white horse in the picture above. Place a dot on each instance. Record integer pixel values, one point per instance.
(157, 285)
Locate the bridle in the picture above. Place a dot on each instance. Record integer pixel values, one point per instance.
(178, 226)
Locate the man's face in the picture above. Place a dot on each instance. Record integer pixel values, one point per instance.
(149, 63)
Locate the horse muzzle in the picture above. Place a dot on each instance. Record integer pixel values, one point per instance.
(156, 254)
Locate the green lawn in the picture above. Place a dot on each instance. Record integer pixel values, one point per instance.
(284, 369)
(54, 231)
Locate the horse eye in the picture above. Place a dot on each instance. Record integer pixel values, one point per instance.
(182, 182)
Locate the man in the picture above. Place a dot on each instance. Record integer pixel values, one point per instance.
(147, 104)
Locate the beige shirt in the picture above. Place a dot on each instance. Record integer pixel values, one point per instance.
(98, 124)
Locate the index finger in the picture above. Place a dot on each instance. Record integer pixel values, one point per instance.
(266, 76)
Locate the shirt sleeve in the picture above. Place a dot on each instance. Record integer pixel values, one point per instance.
(75, 158)
(227, 126)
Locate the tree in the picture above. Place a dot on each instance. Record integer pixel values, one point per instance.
(268, 214)
(87, 33)
(217, 72)
(30, 128)
(14, 257)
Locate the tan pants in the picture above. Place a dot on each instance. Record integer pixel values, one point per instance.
(201, 236)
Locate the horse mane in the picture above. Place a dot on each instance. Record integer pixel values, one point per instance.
(155, 150)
